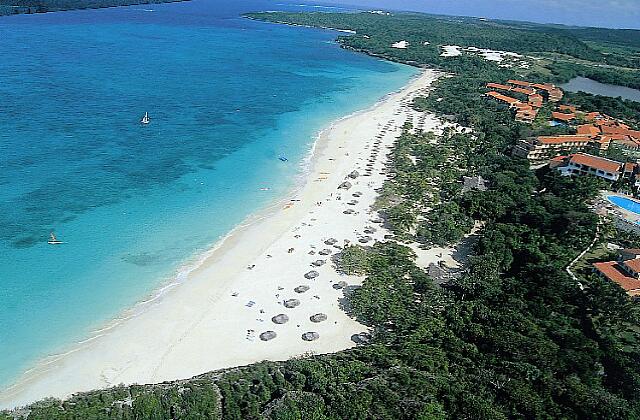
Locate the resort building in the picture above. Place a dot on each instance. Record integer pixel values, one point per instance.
(562, 117)
(554, 93)
(520, 83)
(504, 98)
(546, 147)
(625, 272)
(536, 100)
(583, 164)
(568, 108)
(525, 111)
(498, 86)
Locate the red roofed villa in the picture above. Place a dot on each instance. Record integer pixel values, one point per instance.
(625, 272)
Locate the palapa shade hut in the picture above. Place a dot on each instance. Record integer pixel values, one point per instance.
(318, 263)
(331, 241)
(310, 336)
(325, 252)
(268, 335)
(311, 275)
(345, 185)
(340, 285)
(301, 289)
(291, 303)
(318, 318)
(280, 319)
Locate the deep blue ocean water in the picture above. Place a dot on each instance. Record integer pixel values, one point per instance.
(133, 204)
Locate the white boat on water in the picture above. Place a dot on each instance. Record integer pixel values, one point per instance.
(145, 119)
(53, 240)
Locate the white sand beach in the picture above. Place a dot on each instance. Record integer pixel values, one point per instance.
(214, 318)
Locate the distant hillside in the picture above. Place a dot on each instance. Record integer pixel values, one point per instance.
(12, 7)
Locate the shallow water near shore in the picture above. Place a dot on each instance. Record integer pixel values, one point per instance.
(134, 204)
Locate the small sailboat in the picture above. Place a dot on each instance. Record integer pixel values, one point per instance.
(53, 240)
(145, 119)
(283, 158)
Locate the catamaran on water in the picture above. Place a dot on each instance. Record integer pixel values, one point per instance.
(145, 119)
(53, 240)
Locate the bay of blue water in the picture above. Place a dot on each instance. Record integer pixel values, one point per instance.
(133, 204)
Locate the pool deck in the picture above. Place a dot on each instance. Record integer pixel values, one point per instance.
(616, 210)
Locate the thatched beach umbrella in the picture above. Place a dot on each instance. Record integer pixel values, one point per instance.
(310, 336)
(362, 338)
(331, 241)
(318, 317)
(365, 239)
(302, 288)
(312, 274)
(280, 319)
(353, 175)
(349, 211)
(291, 303)
(340, 285)
(345, 185)
(268, 335)
(325, 252)
(318, 263)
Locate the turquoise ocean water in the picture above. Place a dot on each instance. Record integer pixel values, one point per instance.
(133, 204)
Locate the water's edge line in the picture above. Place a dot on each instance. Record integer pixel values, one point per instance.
(200, 258)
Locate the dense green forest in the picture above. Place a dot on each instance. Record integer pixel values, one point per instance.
(12, 7)
(513, 336)
(563, 53)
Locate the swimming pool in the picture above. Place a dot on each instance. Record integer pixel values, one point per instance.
(625, 203)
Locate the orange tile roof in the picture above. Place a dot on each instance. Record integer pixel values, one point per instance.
(596, 162)
(504, 98)
(519, 83)
(558, 158)
(562, 116)
(544, 86)
(634, 134)
(498, 86)
(610, 129)
(563, 139)
(568, 108)
(588, 130)
(612, 271)
(592, 116)
(524, 91)
(634, 264)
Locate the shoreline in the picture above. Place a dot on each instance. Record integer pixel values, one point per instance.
(184, 314)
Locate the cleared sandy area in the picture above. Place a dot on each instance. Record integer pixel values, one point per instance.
(214, 319)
